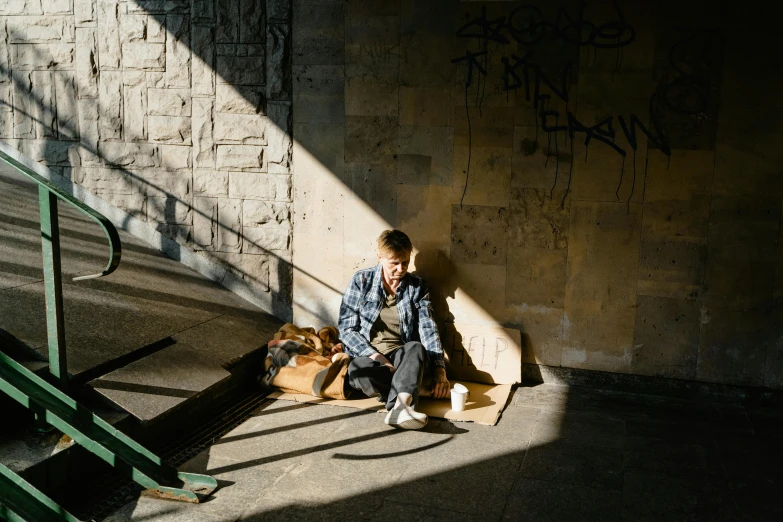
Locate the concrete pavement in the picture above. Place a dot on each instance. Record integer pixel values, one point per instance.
(557, 453)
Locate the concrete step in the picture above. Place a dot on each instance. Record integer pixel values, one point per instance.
(198, 367)
(159, 383)
(154, 347)
(39, 453)
(23, 354)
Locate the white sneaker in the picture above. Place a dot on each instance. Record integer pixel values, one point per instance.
(406, 418)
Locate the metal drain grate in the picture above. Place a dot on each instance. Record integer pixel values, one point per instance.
(110, 491)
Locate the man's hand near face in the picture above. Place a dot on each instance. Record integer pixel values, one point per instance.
(440, 384)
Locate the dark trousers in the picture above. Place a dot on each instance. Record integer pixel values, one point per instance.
(375, 379)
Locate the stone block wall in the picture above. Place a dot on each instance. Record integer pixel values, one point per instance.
(176, 111)
(606, 177)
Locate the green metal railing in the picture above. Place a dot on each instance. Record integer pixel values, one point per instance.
(48, 194)
(99, 437)
(20, 500)
(24, 502)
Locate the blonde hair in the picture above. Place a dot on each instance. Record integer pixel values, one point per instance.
(394, 242)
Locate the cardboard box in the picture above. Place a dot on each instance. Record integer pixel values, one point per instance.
(485, 354)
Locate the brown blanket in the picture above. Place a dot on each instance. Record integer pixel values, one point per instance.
(301, 360)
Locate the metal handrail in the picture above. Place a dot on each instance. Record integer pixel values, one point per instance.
(26, 502)
(48, 194)
(54, 406)
(115, 247)
(99, 437)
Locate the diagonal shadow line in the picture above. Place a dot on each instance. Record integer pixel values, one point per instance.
(107, 367)
(11, 345)
(146, 389)
(18, 183)
(22, 270)
(266, 411)
(157, 515)
(164, 297)
(301, 452)
(146, 294)
(296, 426)
(19, 285)
(141, 181)
(16, 78)
(234, 268)
(66, 232)
(345, 456)
(20, 194)
(34, 247)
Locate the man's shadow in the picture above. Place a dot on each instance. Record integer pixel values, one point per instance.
(434, 266)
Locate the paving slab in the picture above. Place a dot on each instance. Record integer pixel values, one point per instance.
(10, 280)
(664, 429)
(576, 464)
(392, 510)
(478, 488)
(751, 497)
(686, 498)
(665, 458)
(544, 501)
(578, 428)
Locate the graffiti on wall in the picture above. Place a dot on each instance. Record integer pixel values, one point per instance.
(686, 97)
(682, 91)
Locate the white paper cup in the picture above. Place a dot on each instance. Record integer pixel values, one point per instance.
(459, 396)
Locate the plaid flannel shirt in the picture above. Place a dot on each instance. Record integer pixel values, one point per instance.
(361, 306)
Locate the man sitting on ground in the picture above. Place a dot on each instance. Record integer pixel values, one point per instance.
(386, 325)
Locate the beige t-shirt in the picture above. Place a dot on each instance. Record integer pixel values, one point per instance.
(385, 333)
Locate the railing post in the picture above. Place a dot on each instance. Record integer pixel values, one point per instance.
(55, 330)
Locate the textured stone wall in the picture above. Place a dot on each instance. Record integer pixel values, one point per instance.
(176, 111)
(609, 183)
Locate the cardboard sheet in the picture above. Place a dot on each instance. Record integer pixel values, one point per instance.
(485, 403)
